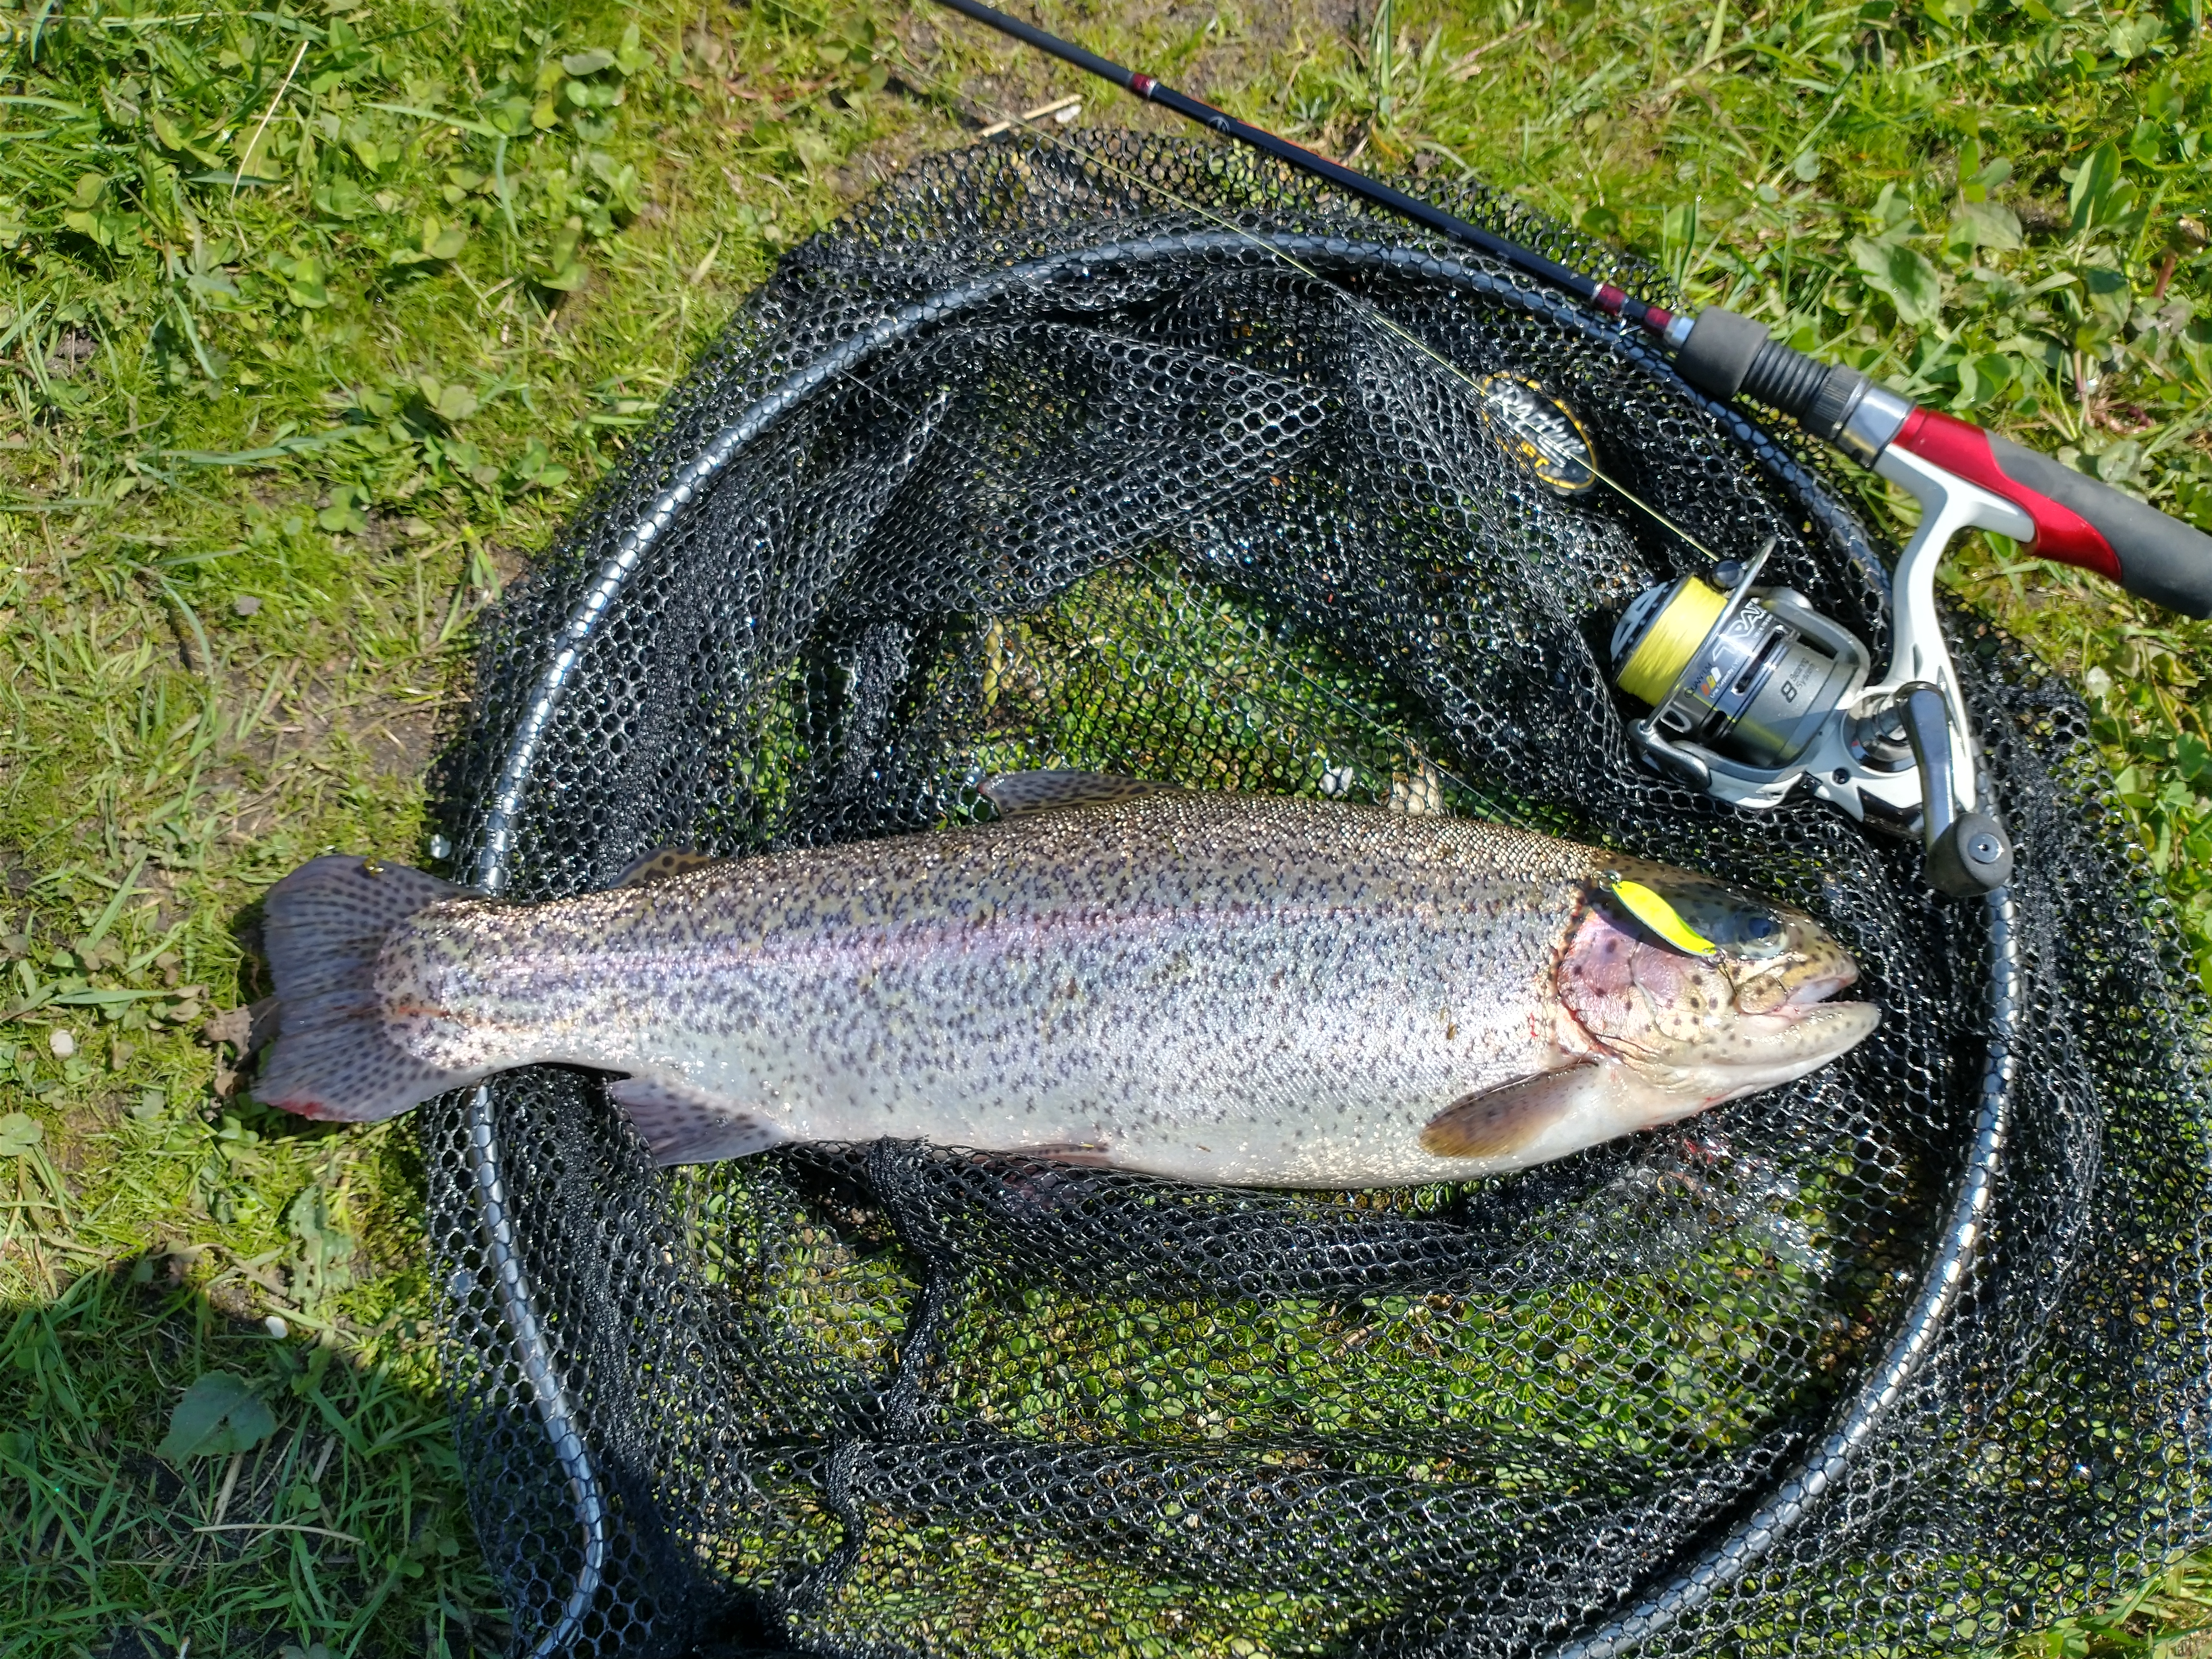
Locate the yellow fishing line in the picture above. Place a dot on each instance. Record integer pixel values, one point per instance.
(1675, 633)
(1662, 919)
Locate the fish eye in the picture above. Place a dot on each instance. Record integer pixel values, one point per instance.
(1760, 936)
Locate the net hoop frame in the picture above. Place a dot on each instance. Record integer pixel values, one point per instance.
(1957, 1242)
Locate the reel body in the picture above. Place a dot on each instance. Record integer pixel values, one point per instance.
(1744, 682)
(1754, 693)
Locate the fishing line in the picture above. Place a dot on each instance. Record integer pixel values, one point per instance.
(1357, 304)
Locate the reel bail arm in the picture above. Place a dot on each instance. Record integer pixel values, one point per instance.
(1968, 852)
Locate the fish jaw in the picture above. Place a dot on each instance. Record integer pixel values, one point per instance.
(1773, 1049)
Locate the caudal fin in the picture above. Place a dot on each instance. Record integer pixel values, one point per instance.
(322, 927)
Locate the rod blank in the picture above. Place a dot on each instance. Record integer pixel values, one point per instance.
(1526, 260)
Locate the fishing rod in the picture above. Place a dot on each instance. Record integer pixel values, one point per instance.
(1542, 433)
(2075, 520)
(1753, 692)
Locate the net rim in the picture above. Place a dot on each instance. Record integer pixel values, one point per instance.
(1794, 1495)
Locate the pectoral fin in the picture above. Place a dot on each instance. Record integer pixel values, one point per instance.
(1501, 1121)
(1016, 792)
(687, 1125)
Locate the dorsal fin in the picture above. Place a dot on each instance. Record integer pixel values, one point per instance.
(1016, 792)
(668, 861)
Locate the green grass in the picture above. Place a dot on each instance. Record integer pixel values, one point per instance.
(314, 324)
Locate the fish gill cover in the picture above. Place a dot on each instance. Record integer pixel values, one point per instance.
(1028, 463)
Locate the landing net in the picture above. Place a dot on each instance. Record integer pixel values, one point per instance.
(1048, 456)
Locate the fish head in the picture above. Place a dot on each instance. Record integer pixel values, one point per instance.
(1707, 993)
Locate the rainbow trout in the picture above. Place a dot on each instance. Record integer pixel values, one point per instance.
(1241, 989)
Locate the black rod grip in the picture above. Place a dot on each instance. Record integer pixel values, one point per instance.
(2077, 519)
(2074, 519)
(1726, 354)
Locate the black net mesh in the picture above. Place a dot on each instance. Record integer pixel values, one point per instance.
(1038, 460)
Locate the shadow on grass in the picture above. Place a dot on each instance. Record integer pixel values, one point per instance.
(342, 1526)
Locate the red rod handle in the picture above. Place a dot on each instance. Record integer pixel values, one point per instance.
(2078, 521)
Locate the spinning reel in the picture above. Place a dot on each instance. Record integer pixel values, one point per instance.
(1754, 692)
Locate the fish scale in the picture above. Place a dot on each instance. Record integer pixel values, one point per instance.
(1211, 987)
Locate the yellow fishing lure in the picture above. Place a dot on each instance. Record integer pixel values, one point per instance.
(1662, 919)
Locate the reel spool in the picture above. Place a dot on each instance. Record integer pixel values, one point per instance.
(1721, 671)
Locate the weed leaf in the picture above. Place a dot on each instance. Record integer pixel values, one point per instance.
(1987, 224)
(1981, 379)
(219, 1414)
(2096, 187)
(1904, 276)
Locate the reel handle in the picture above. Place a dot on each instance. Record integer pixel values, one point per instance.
(1968, 853)
(2074, 519)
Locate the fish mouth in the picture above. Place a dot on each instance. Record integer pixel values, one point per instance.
(1805, 1030)
(1812, 1024)
(1805, 984)
(1817, 988)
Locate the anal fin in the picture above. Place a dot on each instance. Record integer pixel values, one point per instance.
(685, 1124)
(1016, 792)
(1501, 1121)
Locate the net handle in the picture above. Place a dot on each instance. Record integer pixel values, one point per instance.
(492, 868)
(512, 1288)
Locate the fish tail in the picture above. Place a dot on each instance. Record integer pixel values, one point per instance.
(322, 928)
